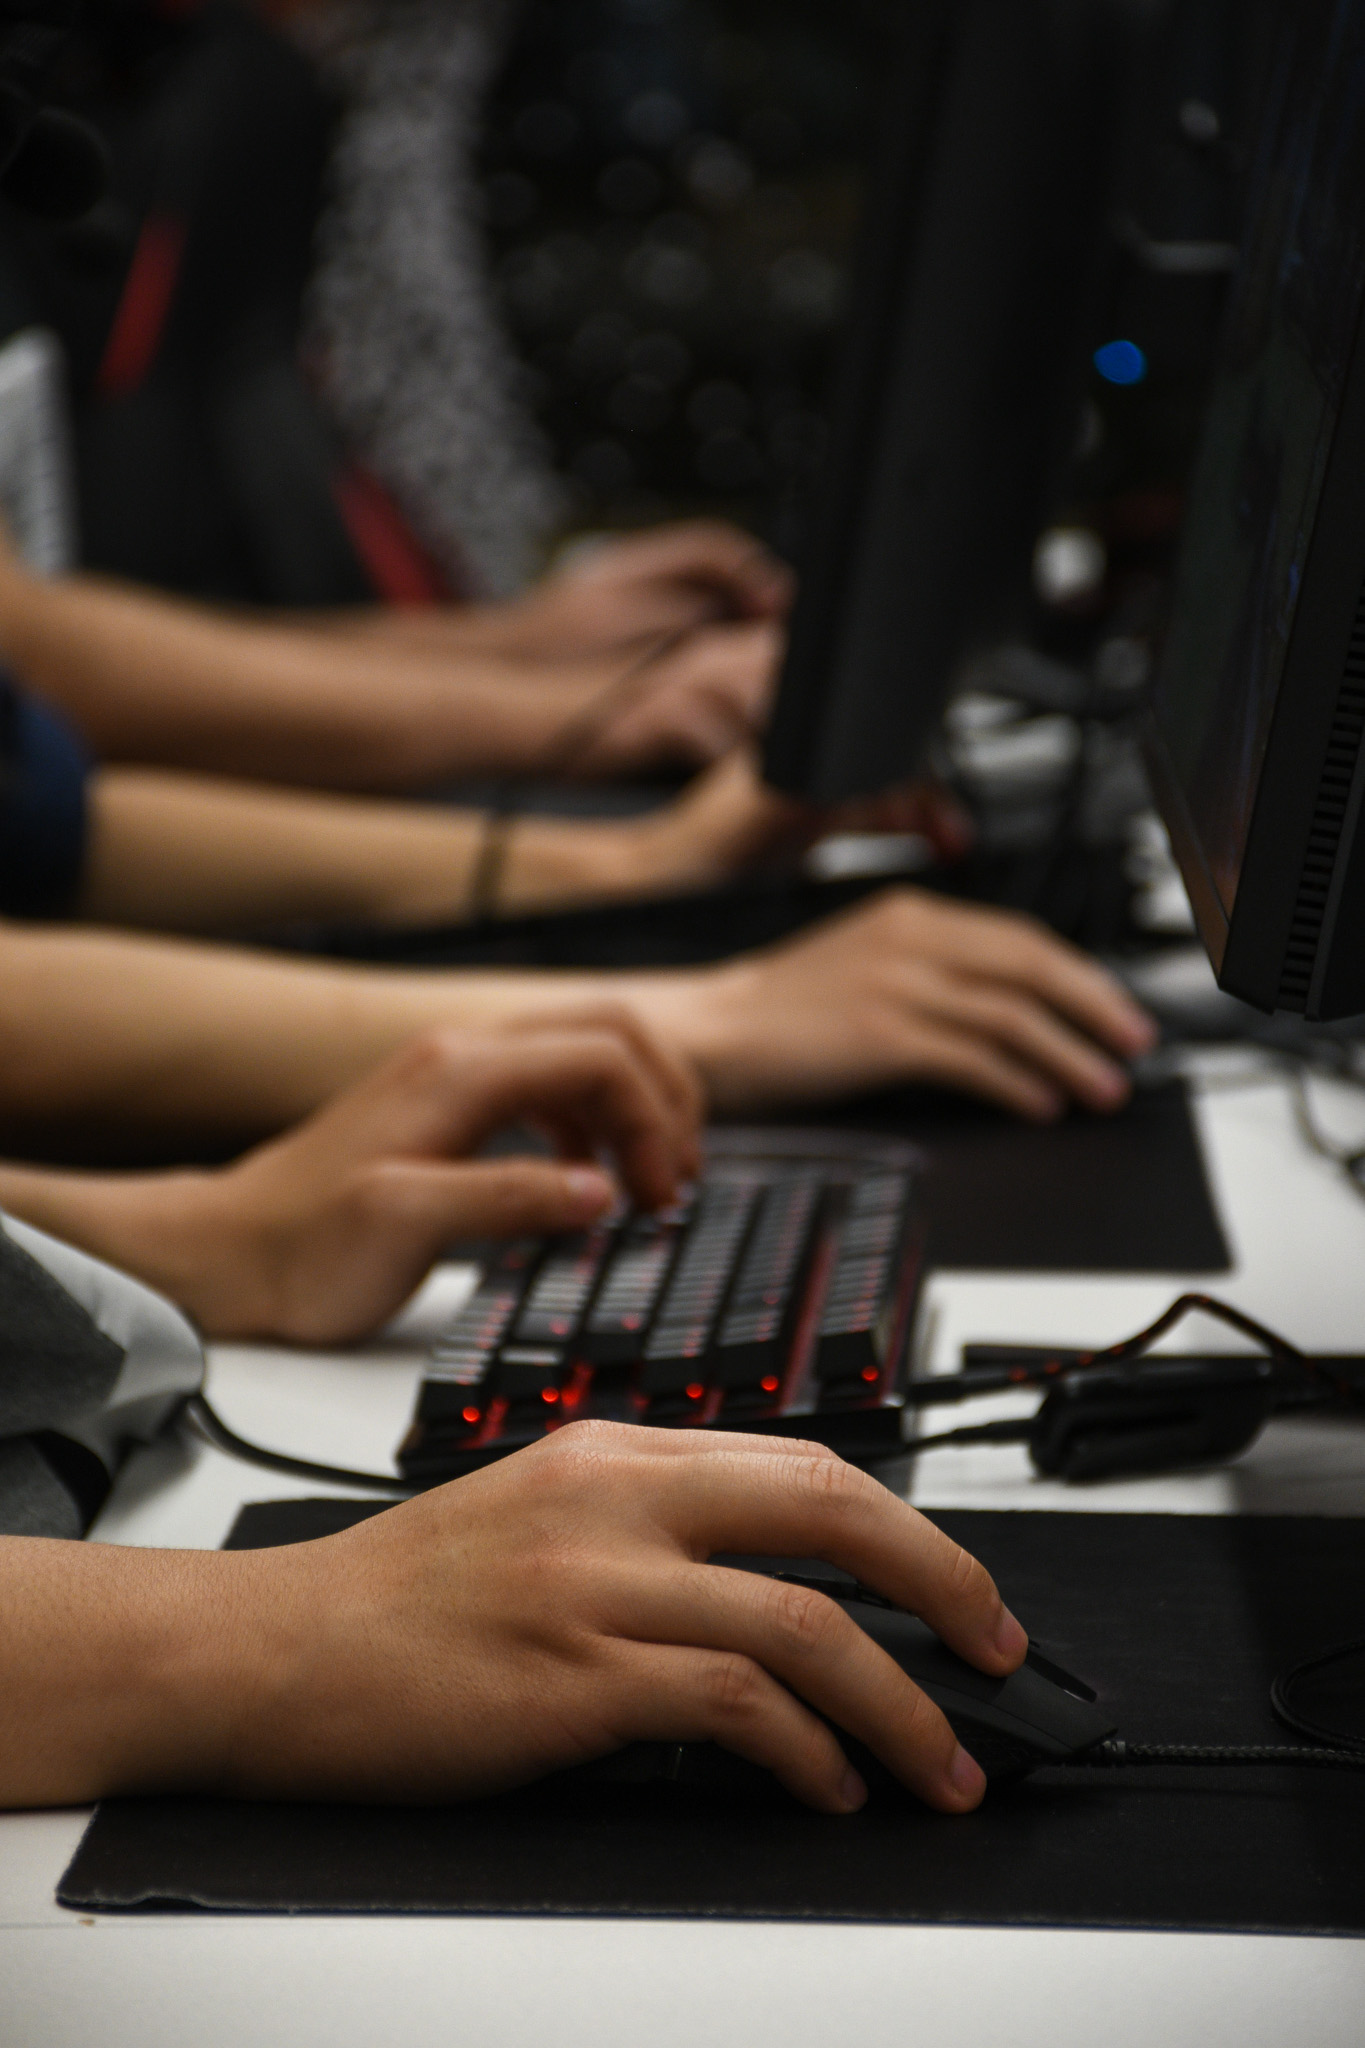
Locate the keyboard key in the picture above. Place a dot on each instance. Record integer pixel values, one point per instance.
(777, 1297)
(554, 1303)
(526, 1372)
(676, 1348)
(632, 1282)
(462, 1354)
(754, 1334)
(859, 1317)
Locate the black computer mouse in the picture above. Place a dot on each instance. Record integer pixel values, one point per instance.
(1039, 1715)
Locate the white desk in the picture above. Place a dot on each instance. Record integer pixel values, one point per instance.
(1298, 1238)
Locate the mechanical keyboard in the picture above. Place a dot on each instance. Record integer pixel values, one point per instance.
(778, 1296)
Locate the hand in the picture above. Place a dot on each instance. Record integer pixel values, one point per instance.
(693, 701)
(320, 1236)
(908, 987)
(662, 582)
(728, 820)
(560, 1604)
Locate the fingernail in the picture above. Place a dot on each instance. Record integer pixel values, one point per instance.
(966, 1776)
(589, 1189)
(1010, 1637)
(852, 1791)
(1113, 1085)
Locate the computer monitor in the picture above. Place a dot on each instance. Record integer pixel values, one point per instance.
(1258, 712)
(961, 388)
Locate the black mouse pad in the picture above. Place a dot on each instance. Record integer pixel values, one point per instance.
(1181, 1622)
(1091, 1194)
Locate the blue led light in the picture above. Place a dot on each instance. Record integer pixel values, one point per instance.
(1121, 362)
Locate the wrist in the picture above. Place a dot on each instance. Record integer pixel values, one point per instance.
(127, 1670)
(706, 1016)
(664, 852)
(165, 1229)
(541, 711)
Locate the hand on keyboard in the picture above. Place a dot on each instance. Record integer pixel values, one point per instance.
(776, 1295)
(320, 1236)
(559, 1605)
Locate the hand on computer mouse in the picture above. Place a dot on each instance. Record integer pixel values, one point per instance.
(727, 820)
(559, 1604)
(320, 1235)
(909, 986)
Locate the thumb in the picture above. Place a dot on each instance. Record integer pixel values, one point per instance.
(496, 1197)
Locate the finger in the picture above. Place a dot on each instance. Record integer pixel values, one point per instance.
(595, 1080)
(712, 552)
(1016, 949)
(707, 724)
(739, 659)
(671, 1694)
(775, 1505)
(433, 1204)
(679, 1082)
(447, 1091)
(575, 1138)
(616, 1440)
(693, 720)
(979, 1066)
(1042, 1040)
(815, 1648)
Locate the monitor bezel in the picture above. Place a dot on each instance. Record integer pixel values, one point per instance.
(854, 711)
(1251, 948)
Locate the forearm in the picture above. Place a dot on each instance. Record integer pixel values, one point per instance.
(124, 1668)
(507, 630)
(187, 853)
(152, 679)
(171, 1229)
(114, 1034)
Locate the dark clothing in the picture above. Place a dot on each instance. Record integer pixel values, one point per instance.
(43, 771)
(205, 463)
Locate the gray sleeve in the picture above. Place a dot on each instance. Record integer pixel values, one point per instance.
(91, 1362)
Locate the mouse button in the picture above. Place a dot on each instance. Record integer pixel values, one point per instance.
(1056, 1722)
(1057, 1675)
(921, 1654)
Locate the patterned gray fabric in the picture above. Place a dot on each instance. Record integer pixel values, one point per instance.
(55, 1361)
(400, 324)
(87, 1355)
(33, 1501)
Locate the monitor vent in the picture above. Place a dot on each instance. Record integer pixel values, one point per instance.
(1329, 820)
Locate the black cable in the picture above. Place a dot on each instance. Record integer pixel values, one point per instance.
(1281, 1695)
(216, 1432)
(1017, 1432)
(1118, 1755)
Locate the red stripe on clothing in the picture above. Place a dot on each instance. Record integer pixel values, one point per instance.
(393, 558)
(140, 322)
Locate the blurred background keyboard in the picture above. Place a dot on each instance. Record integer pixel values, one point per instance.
(777, 1297)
